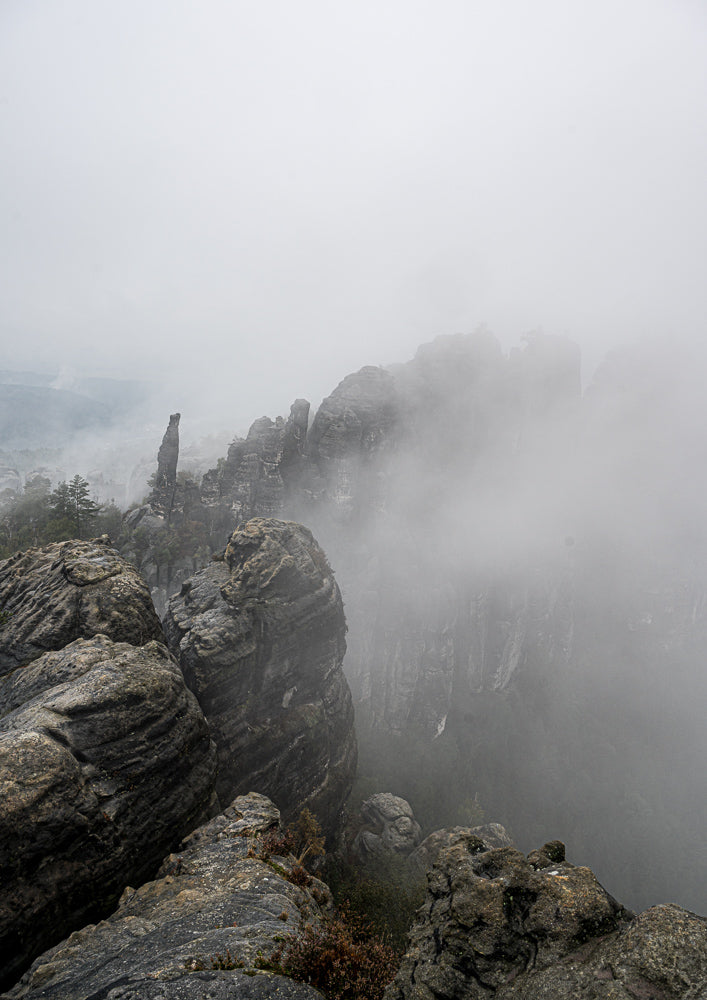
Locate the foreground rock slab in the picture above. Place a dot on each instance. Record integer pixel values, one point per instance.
(499, 926)
(105, 762)
(70, 590)
(213, 899)
(260, 639)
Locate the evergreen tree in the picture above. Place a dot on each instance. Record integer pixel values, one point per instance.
(84, 510)
(72, 501)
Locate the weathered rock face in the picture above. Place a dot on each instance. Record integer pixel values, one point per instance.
(390, 827)
(168, 455)
(496, 924)
(259, 472)
(70, 590)
(214, 898)
(353, 427)
(105, 761)
(260, 638)
(492, 835)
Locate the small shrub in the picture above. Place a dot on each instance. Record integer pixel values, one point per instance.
(341, 958)
(308, 837)
(281, 843)
(300, 840)
(299, 876)
(227, 961)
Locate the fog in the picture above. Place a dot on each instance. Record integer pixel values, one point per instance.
(255, 198)
(236, 205)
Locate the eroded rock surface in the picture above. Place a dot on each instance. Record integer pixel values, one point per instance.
(492, 835)
(70, 590)
(214, 898)
(498, 925)
(105, 761)
(260, 638)
(390, 827)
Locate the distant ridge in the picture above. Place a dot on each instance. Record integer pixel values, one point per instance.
(37, 416)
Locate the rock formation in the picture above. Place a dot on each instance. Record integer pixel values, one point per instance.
(498, 925)
(215, 899)
(523, 575)
(105, 756)
(105, 759)
(390, 827)
(70, 590)
(260, 473)
(168, 455)
(378, 476)
(260, 639)
(492, 835)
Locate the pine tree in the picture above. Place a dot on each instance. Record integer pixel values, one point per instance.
(73, 501)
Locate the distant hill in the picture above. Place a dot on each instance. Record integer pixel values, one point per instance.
(35, 416)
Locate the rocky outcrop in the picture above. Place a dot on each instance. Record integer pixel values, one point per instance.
(491, 835)
(498, 925)
(260, 473)
(168, 455)
(164, 491)
(215, 905)
(70, 590)
(352, 429)
(260, 639)
(105, 761)
(390, 827)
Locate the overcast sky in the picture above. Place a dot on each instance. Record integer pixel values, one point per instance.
(276, 192)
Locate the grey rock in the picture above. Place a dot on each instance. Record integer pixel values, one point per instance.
(394, 828)
(70, 590)
(492, 835)
(497, 925)
(168, 455)
(215, 897)
(260, 638)
(105, 761)
(259, 472)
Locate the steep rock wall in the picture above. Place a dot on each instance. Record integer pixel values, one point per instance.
(260, 639)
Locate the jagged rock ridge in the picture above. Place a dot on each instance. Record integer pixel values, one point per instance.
(105, 756)
(213, 897)
(260, 639)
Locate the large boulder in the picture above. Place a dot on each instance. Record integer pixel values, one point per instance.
(492, 835)
(198, 929)
(498, 925)
(105, 762)
(70, 590)
(260, 639)
(390, 827)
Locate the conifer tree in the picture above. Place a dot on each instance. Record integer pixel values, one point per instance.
(73, 501)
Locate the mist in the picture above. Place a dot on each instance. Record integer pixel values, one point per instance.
(252, 199)
(237, 205)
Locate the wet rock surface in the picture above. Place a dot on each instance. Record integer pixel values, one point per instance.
(70, 590)
(105, 761)
(498, 925)
(260, 639)
(212, 899)
(491, 835)
(390, 827)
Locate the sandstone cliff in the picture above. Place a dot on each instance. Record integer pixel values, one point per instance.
(260, 639)
(105, 756)
(213, 905)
